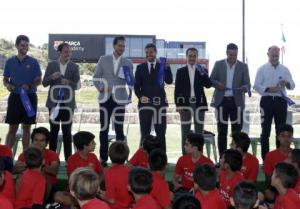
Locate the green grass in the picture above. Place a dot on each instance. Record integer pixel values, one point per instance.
(3, 91)
(87, 96)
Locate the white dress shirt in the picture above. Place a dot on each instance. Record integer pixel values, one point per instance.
(62, 68)
(229, 79)
(270, 76)
(192, 70)
(149, 65)
(116, 62)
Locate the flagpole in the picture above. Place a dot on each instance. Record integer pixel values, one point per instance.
(243, 31)
(283, 44)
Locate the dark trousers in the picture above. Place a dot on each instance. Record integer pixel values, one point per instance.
(225, 111)
(65, 118)
(271, 107)
(186, 116)
(107, 110)
(159, 117)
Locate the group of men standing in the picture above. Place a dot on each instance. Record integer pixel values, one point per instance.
(115, 81)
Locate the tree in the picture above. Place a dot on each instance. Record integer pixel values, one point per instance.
(87, 68)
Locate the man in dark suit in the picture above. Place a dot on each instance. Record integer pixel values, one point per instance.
(189, 95)
(61, 75)
(151, 94)
(231, 80)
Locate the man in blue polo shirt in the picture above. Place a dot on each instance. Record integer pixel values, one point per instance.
(21, 72)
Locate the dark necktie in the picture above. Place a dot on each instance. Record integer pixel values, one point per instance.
(152, 69)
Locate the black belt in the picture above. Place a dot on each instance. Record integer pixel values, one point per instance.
(229, 98)
(192, 100)
(272, 97)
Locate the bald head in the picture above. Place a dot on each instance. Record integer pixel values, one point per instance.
(273, 54)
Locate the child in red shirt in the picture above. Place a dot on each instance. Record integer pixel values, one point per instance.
(116, 178)
(32, 186)
(284, 179)
(85, 145)
(241, 143)
(5, 203)
(294, 158)
(160, 188)
(140, 181)
(183, 175)
(84, 157)
(7, 156)
(84, 185)
(40, 138)
(140, 157)
(205, 180)
(244, 196)
(230, 175)
(285, 136)
(7, 185)
(8, 188)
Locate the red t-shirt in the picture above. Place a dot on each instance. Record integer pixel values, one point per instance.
(8, 188)
(95, 204)
(227, 185)
(272, 158)
(140, 158)
(160, 190)
(185, 168)
(76, 161)
(49, 157)
(5, 151)
(290, 200)
(212, 200)
(5, 203)
(116, 184)
(250, 167)
(297, 187)
(147, 201)
(31, 189)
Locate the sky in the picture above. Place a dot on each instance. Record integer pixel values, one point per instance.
(218, 22)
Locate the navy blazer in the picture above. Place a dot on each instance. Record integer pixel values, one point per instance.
(183, 88)
(147, 85)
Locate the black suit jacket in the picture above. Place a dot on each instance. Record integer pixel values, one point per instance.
(147, 85)
(183, 88)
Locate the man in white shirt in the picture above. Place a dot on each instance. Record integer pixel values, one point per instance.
(189, 94)
(109, 79)
(272, 80)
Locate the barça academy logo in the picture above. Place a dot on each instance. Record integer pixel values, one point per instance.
(75, 45)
